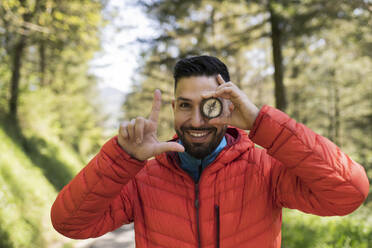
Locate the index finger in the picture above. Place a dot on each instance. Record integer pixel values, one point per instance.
(208, 94)
(156, 104)
(220, 79)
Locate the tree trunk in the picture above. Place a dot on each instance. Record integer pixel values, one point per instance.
(16, 76)
(337, 125)
(16, 58)
(296, 96)
(334, 127)
(42, 63)
(330, 111)
(238, 73)
(276, 35)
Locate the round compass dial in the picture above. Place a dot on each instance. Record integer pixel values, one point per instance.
(211, 107)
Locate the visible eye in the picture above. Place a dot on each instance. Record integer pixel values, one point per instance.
(184, 105)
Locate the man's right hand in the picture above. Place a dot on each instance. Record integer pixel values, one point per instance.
(138, 137)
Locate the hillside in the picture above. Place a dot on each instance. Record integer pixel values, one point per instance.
(31, 174)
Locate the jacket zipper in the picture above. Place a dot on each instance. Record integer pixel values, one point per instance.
(200, 169)
(197, 212)
(197, 205)
(217, 210)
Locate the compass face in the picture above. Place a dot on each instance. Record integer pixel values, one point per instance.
(211, 107)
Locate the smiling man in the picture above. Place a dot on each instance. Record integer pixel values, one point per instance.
(210, 186)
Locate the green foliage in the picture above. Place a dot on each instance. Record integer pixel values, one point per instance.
(27, 188)
(330, 90)
(302, 230)
(56, 160)
(59, 123)
(56, 93)
(73, 118)
(5, 241)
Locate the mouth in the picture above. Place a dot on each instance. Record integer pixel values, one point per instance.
(198, 136)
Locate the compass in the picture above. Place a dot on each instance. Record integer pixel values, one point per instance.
(211, 107)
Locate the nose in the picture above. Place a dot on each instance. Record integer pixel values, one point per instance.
(197, 120)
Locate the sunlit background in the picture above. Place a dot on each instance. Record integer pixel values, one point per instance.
(70, 71)
(116, 64)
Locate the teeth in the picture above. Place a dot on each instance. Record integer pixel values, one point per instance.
(197, 134)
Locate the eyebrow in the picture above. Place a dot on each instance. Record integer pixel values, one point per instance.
(183, 99)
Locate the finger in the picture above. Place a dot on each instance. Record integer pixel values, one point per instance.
(208, 94)
(130, 130)
(213, 93)
(220, 79)
(168, 147)
(138, 129)
(230, 93)
(224, 90)
(156, 104)
(225, 85)
(123, 130)
(226, 93)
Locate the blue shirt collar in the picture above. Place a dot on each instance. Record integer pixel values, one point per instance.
(191, 164)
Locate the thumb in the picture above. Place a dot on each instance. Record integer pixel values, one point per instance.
(168, 147)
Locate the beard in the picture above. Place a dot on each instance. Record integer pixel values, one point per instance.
(201, 150)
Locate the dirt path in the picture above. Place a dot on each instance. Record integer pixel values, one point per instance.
(120, 238)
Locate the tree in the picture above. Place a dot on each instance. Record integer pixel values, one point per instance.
(329, 88)
(21, 12)
(242, 22)
(44, 24)
(48, 44)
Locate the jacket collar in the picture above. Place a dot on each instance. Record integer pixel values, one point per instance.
(237, 143)
(192, 165)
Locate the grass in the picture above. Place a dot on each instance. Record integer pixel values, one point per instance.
(309, 231)
(32, 171)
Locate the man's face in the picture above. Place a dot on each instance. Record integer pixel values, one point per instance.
(198, 137)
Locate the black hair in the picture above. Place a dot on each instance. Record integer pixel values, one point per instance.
(200, 66)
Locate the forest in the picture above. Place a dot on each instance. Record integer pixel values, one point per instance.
(309, 58)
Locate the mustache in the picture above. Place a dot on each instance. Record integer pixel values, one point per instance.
(183, 129)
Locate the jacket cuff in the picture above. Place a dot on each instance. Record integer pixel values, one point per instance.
(120, 157)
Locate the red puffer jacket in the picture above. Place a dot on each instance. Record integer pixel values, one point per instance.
(238, 201)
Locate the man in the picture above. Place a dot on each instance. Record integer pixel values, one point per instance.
(209, 186)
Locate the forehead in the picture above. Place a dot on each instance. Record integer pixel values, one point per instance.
(192, 87)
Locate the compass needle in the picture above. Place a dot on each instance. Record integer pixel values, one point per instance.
(211, 107)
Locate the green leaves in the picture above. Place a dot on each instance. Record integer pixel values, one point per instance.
(59, 123)
(308, 231)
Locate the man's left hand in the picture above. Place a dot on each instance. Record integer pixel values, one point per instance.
(240, 112)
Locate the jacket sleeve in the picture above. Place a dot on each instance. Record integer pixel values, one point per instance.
(100, 198)
(308, 172)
